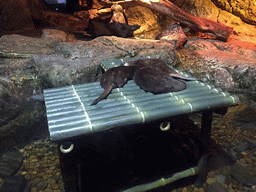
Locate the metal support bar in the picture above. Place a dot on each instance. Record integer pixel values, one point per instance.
(164, 181)
(69, 170)
(205, 136)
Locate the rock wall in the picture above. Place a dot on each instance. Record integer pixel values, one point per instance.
(245, 9)
(147, 19)
(239, 14)
(15, 15)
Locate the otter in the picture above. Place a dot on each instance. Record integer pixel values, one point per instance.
(159, 66)
(119, 24)
(151, 75)
(150, 81)
(115, 77)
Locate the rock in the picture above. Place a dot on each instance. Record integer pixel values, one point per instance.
(241, 174)
(237, 14)
(210, 181)
(205, 9)
(10, 162)
(56, 178)
(63, 71)
(221, 178)
(79, 62)
(146, 18)
(223, 79)
(15, 183)
(45, 177)
(9, 101)
(243, 9)
(34, 189)
(28, 188)
(216, 187)
(54, 34)
(200, 44)
(246, 119)
(174, 35)
(242, 31)
(42, 185)
(214, 55)
(18, 46)
(34, 182)
(36, 98)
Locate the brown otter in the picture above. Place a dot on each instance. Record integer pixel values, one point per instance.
(115, 25)
(119, 24)
(151, 75)
(115, 77)
(150, 81)
(158, 65)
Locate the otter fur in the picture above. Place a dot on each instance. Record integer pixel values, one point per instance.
(115, 77)
(159, 66)
(119, 24)
(151, 75)
(150, 81)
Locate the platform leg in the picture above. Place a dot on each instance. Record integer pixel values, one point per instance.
(69, 170)
(205, 137)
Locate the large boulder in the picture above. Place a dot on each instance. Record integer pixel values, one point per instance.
(79, 62)
(228, 65)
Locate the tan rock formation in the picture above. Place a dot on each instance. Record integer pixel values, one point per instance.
(245, 9)
(147, 19)
(240, 14)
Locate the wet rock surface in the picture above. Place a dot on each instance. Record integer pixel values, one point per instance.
(216, 187)
(15, 183)
(241, 174)
(10, 163)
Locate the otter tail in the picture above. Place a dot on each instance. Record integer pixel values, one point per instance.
(184, 77)
(104, 95)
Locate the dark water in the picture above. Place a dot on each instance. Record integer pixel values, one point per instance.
(29, 126)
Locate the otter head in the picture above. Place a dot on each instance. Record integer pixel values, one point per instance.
(117, 8)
